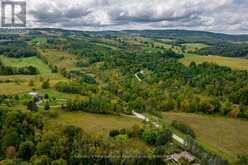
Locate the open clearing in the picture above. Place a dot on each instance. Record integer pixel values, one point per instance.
(234, 63)
(19, 84)
(95, 123)
(60, 59)
(221, 134)
(27, 61)
(194, 46)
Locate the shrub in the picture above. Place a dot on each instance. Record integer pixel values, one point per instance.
(45, 84)
(26, 150)
(164, 137)
(114, 133)
(47, 106)
(150, 136)
(87, 79)
(183, 128)
(157, 137)
(243, 160)
(234, 113)
(69, 87)
(59, 162)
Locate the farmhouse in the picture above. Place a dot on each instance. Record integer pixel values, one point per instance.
(183, 155)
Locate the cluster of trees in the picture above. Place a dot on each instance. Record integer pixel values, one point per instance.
(8, 70)
(25, 140)
(243, 160)
(67, 87)
(155, 137)
(93, 104)
(9, 100)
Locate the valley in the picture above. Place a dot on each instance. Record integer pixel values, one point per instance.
(81, 89)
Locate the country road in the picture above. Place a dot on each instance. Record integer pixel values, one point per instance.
(143, 117)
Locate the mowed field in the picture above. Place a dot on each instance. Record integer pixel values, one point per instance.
(234, 63)
(95, 123)
(28, 61)
(229, 136)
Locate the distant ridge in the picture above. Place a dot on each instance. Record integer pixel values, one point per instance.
(178, 35)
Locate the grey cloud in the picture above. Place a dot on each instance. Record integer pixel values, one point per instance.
(221, 15)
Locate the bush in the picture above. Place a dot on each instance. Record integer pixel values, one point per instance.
(164, 137)
(87, 79)
(40, 160)
(157, 137)
(69, 87)
(59, 162)
(114, 133)
(47, 106)
(45, 84)
(183, 128)
(150, 136)
(26, 150)
(243, 160)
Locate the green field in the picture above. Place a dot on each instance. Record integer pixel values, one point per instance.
(95, 123)
(27, 61)
(19, 84)
(234, 63)
(60, 59)
(39, 40)
(194, 46)
(229, 136)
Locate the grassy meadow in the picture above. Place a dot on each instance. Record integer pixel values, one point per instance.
(27, 61)
(234, 63)
(96, 123)
(60, 59)
(194, 46)
(218, 133)
(20, 84)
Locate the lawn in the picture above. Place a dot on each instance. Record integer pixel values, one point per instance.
(27, 61)
(234, 63)
(229, 136)
(95, 123)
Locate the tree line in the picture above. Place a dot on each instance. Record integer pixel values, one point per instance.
(8, 70)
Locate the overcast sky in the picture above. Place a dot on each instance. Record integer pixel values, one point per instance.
(229, 16)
